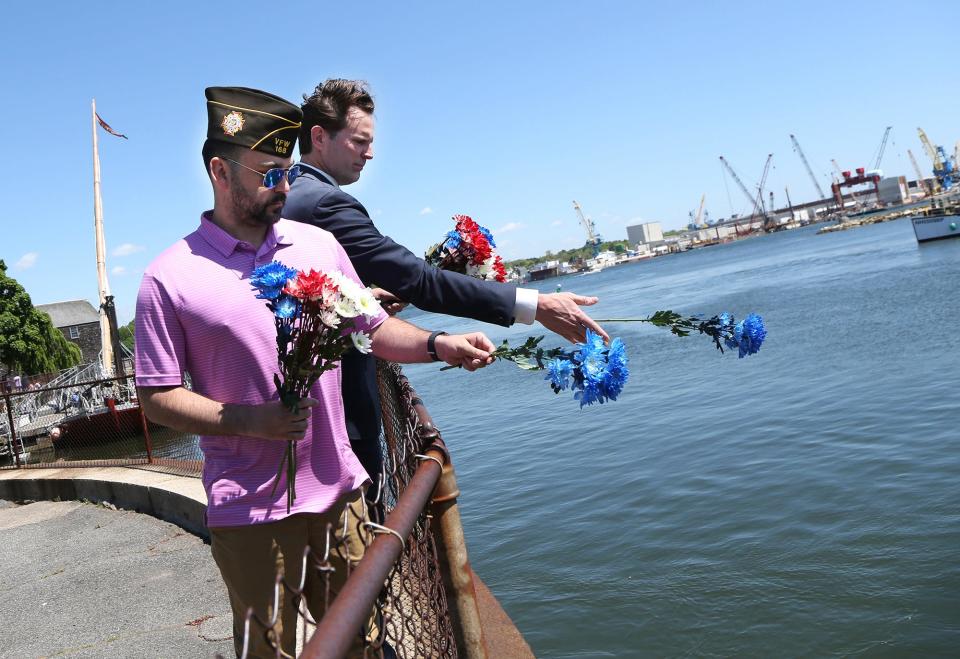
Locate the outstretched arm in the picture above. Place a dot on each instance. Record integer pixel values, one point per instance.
(399, 341)
(380, 261)
(561, 313)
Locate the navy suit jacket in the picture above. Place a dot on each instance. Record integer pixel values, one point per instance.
(380, 261)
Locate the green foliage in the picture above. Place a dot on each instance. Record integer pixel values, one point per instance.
(569, 255)
(126, 335)
(29, 343)
(529, 356)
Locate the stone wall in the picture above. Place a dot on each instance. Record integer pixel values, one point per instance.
(89, 341)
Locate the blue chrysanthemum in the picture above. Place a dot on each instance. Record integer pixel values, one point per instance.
(599, 371)
(453, 240)
(486, 234)
(591, 358)
(286, 307)
(749, 334)
(559, 372)
(270, 279)
(589, 395)
(616, 373)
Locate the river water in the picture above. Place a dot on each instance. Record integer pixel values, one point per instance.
(804, 501)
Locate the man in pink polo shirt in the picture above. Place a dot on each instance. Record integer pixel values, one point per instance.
(197, 313)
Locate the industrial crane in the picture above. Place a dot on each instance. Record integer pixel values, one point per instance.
(736, 178)
(695, 221)
(759, 203)
(883, 145)
(943, 168)
(796, 147)
(840, 178)
(593, 238)
(921, 179)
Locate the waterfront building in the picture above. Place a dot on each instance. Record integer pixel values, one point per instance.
(893, 190)
(79, 322)
(648, 232)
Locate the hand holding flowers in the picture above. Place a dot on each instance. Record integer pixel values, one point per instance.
(468, 249)
(314, 313)
(469, 351)
(597, 372)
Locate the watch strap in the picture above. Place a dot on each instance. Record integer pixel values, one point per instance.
(432, 344)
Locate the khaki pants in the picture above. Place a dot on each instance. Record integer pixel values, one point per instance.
(250, 557)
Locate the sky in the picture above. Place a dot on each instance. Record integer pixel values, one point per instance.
(504, 111)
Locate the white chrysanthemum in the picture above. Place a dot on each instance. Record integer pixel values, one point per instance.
(345, 307)
(329, 318)
(361, 342)
(348, 287)
(367, 304)
(486, 268)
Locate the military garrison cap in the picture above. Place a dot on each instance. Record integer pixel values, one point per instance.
(253, 119)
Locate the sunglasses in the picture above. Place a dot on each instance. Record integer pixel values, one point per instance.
(272, 177)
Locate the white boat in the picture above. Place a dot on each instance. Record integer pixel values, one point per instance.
(936, 225)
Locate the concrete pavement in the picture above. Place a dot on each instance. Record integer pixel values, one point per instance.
(84, 580)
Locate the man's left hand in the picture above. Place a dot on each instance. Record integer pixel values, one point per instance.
(390, 302)
(561, 313)
(471, 351)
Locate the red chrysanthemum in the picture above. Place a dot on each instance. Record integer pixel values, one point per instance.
(500, 272)
(310, 285)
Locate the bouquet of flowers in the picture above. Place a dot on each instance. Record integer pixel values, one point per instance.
(468, 249)
(597, 373)
(314, 313)
(593, 371)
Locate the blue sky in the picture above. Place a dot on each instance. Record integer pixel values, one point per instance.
(505, 111)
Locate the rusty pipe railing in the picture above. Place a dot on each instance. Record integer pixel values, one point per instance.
(352, 607)
(452, 553)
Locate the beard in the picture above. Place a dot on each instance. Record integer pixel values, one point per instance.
(253, 212)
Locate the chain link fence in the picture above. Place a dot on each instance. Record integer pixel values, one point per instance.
(93, 422)
(418, 608)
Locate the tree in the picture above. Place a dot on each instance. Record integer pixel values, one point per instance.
(29, 343)
(126, 335)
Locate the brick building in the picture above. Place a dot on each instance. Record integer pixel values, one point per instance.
(80, 323)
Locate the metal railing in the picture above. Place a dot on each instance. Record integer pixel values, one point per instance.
(78, 422)
(414, 575)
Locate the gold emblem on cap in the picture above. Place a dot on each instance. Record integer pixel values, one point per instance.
(232, 123)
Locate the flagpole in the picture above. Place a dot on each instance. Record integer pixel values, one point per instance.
(106, 345)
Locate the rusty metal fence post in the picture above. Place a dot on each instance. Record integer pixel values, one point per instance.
(13, 431)
(146, 433)
(452, 552)
(455, 567)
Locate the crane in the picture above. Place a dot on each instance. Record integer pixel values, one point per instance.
(593, 238)
(840, 178)
(736, 178)
(786, 191)
(883, 145)
(931, 151)
(796, 147)
(943, 168)
(699, 216)
(921, 180)
(759, 204)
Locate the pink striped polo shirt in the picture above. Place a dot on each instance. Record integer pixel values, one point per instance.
(196, 312)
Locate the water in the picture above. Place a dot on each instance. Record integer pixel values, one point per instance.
(801, 502)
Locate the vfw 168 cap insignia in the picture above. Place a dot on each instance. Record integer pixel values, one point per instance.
(252, 118)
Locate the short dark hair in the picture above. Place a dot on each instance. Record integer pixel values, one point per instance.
(217, 149)
(327, 107)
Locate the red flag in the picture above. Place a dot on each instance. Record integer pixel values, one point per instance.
(106, 127)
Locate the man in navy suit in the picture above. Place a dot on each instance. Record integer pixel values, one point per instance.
(336, 141)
